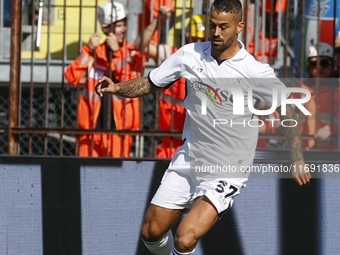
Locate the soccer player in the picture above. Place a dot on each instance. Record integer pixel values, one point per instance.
(212, 70)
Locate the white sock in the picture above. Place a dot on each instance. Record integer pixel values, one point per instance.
(162, 246)
(175, 252)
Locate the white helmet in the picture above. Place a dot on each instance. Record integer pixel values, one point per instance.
(325, 50)
(107, 15)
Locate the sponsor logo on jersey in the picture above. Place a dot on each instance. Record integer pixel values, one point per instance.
(200, 86)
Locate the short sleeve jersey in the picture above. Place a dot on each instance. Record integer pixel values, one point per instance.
(214, 132)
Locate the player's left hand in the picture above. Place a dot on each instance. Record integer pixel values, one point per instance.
(301, 173)
(105, 85)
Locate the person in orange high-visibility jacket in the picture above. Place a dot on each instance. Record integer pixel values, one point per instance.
(321, 124)
(92, 64)
(171, 117)
(268, 56)
(323, 121)
(153, 8)
(171, 108)
(269, 41)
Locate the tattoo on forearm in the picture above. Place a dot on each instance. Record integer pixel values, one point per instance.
(136, 88)
(292, 133)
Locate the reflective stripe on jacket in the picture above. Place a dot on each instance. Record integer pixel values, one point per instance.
(126, 65)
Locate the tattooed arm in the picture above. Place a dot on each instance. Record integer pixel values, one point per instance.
(133, 88)
(292, 133)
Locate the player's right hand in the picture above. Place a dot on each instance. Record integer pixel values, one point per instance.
(94, 41)
(105, 85)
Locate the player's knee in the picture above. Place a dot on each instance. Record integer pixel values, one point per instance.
(185, 242)
(151, 232)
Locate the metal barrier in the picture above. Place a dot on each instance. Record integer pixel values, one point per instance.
(40, 115)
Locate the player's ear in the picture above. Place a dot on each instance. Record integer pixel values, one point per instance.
(240, 27)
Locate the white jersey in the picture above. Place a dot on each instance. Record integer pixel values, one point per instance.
(215, 136)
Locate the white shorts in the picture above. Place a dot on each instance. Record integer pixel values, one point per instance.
(178, 190)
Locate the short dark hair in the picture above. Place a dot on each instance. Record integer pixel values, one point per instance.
(231, 6)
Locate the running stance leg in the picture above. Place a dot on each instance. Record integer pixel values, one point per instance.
(195, 224)
(156, 230)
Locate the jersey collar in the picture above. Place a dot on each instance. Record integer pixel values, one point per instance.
(240, 55)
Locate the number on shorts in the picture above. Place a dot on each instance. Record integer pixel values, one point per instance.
(220, 188)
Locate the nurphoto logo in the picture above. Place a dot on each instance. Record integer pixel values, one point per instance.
(241, 98)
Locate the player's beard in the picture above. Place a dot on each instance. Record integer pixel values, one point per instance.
(225, 45)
